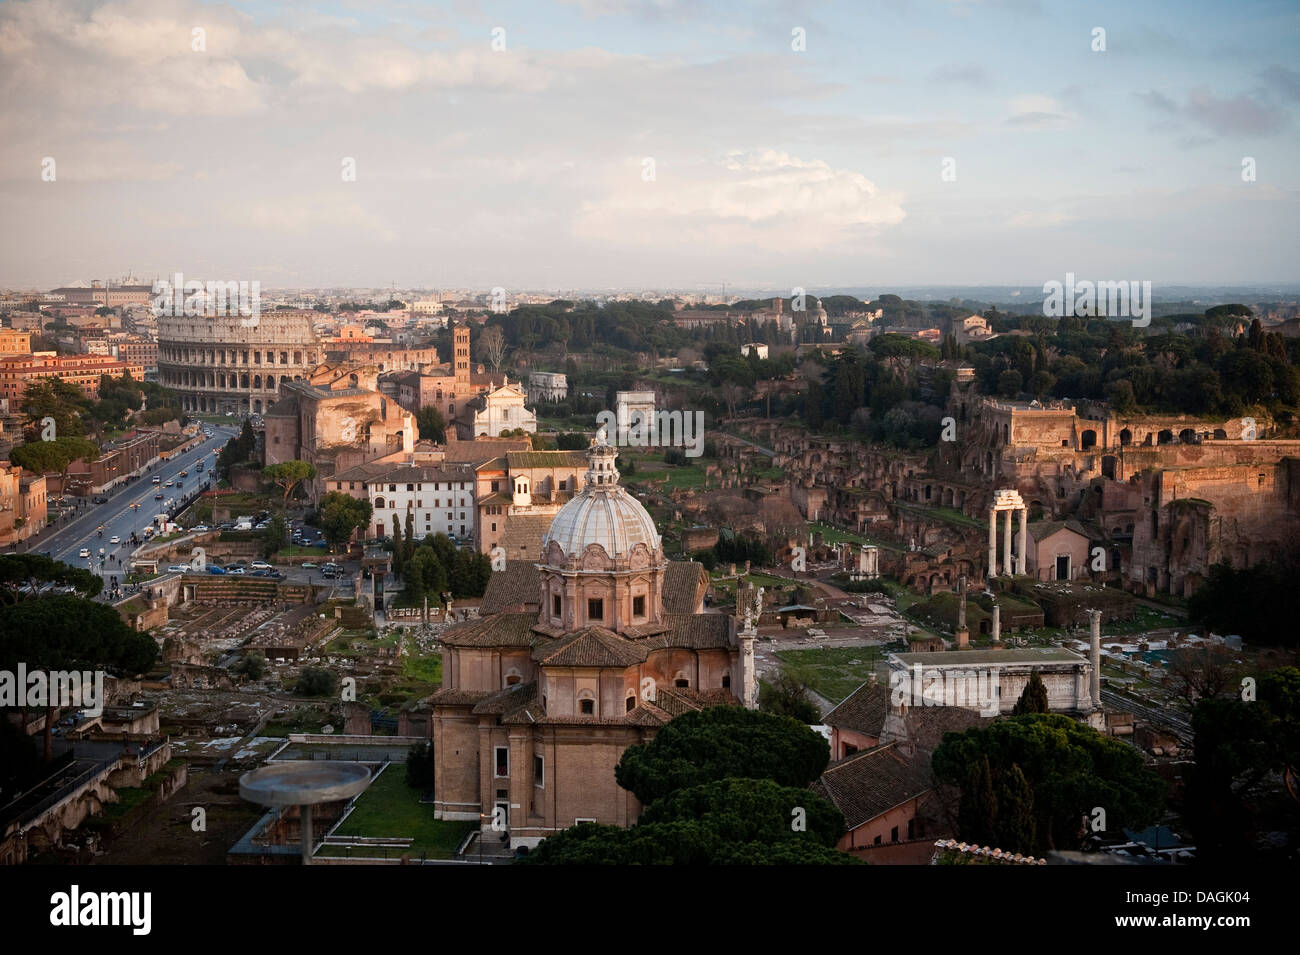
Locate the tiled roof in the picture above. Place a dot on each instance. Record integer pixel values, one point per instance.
(925, 726)
(450, 696)
(705, 631)
(498, 630)
(685, 583)
(507, 700)
(869, 784)
(862, 711)
(589, 647)
(523, 536)
(480, 452)
(1045, 529)
(519, 585)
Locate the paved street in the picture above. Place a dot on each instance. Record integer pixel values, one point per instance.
(82, 526)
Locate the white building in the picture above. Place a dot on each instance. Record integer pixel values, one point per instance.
(440, 497)
(754, 348)
(502, 409)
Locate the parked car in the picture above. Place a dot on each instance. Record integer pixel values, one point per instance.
(200, 527)
(235, 570)
(178, 568)
(260, 565)
(308, 565)
(214, 569)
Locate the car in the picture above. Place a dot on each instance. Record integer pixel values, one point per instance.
(159, 496)
(115, 539)
(178, 568)
(185, 474)
(200, 527)
(101, 500)
(235, 570)
(260, 565)
(157, 480)
(214, 569)
(169, 483)
(308, 565)
(85, 552)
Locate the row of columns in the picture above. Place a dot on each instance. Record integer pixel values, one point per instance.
(1007, 565)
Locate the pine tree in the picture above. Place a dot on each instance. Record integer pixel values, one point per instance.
(1033, 699)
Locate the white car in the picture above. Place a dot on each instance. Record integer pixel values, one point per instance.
(115, 539)
(261, 565)
(85, 552)
(178, 568)
(199, 527)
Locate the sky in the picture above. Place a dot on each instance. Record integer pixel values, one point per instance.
(599, 144)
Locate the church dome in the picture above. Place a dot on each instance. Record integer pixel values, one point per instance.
(602, 513)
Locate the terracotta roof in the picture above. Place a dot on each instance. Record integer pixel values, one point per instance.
(589, 647)
(518, 586)
(685, 583)
(862, 711)
(868, 784)
(498, 630)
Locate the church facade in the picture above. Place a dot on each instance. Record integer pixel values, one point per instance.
(575, 658)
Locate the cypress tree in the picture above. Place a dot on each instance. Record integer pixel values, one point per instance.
(1015, 823)
(977, 814)
(1033, 699)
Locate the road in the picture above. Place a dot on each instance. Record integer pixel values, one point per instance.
(82, 528)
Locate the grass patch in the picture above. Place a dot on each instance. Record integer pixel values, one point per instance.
(390, 808)
(833, 672)
(426, 669)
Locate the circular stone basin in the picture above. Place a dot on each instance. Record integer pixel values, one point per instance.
(303, 782)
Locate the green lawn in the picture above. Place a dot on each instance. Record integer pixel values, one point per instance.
(834, 672)
(390, 808)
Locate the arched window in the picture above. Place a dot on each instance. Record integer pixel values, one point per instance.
(513, 677)
(631, 702)
(379, 503)
(587, 707)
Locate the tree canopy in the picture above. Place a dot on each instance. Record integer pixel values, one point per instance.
(720, 742)
(1068, 769)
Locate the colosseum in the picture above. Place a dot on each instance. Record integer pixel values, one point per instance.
(218, 365)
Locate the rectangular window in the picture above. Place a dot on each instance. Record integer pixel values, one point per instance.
(595, 609)
(638, 606)
(893, 834)
(494, 527)
(539, 771)
(503, 762)
(556, 604)
(581, 819)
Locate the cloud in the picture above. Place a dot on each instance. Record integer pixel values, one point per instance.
(1036, 110)
(761, 198)
(1245, 114)
(969, 74)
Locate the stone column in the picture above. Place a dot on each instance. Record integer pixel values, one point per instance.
(1095, 654)
(1024, 541)
(997, 623)
(1008, 567)
(993, 542)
